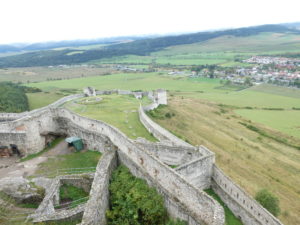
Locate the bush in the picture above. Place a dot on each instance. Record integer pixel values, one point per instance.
(132, 202)
(268, 201)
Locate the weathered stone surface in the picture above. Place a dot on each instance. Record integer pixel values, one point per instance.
(20, 189)
(99, 196)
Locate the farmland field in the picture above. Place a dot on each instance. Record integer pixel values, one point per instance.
(38, 74)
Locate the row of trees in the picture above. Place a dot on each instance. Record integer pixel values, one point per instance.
(13, 98)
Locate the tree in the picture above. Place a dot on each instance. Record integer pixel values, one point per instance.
(268, 201)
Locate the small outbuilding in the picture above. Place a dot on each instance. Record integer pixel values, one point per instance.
(75, 142)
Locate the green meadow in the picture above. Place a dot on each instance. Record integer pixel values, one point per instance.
(41, 99)
(203, 88)
(286, 121)
(117, 110)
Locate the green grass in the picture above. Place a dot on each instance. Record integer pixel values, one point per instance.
(52, 145)
(29, 205)
(41, 99)
(230, 218)
(287, 121)
(71, 193)
(277, 90)
(199, 88)
(117, 110)
(73, 160)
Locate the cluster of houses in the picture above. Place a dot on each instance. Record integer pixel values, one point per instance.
(282, 61)
(275, 70)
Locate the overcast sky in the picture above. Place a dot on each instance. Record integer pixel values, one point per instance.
(45, 20)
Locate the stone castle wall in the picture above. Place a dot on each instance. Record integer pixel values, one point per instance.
(199, 171)
(99, 196)
(159, 132)
(241, 204)
(181, 187)
(171, 155)
(203, 208)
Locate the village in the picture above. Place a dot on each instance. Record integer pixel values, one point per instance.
(265, 69)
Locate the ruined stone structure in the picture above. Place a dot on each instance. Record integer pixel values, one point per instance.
(181, 187)
(89, 91)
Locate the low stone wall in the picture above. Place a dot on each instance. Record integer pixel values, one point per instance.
(99, 196)
(241, 204)
(159, 132)
(46, 210)
(171, 155)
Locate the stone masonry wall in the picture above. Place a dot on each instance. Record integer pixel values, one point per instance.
(159, 132)
(171, 155)
(200, 206)
(199, 171)
(241, 204)
(98, 202)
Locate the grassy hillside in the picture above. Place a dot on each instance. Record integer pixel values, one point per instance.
(252, 160)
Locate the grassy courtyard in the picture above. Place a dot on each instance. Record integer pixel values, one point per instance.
(120, 111)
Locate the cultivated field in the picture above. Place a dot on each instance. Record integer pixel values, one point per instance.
(38, 74)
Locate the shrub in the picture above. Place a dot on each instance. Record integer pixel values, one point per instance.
(268, 201)
(132, 202)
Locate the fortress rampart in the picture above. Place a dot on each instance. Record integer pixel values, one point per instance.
(181, 187)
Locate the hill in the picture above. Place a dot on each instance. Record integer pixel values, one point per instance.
(138, 47)
(64, 44)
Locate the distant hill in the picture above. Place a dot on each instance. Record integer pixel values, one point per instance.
(137, 47)
(64, 44)
(295, 25)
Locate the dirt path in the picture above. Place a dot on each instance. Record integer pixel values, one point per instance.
(29, 167)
